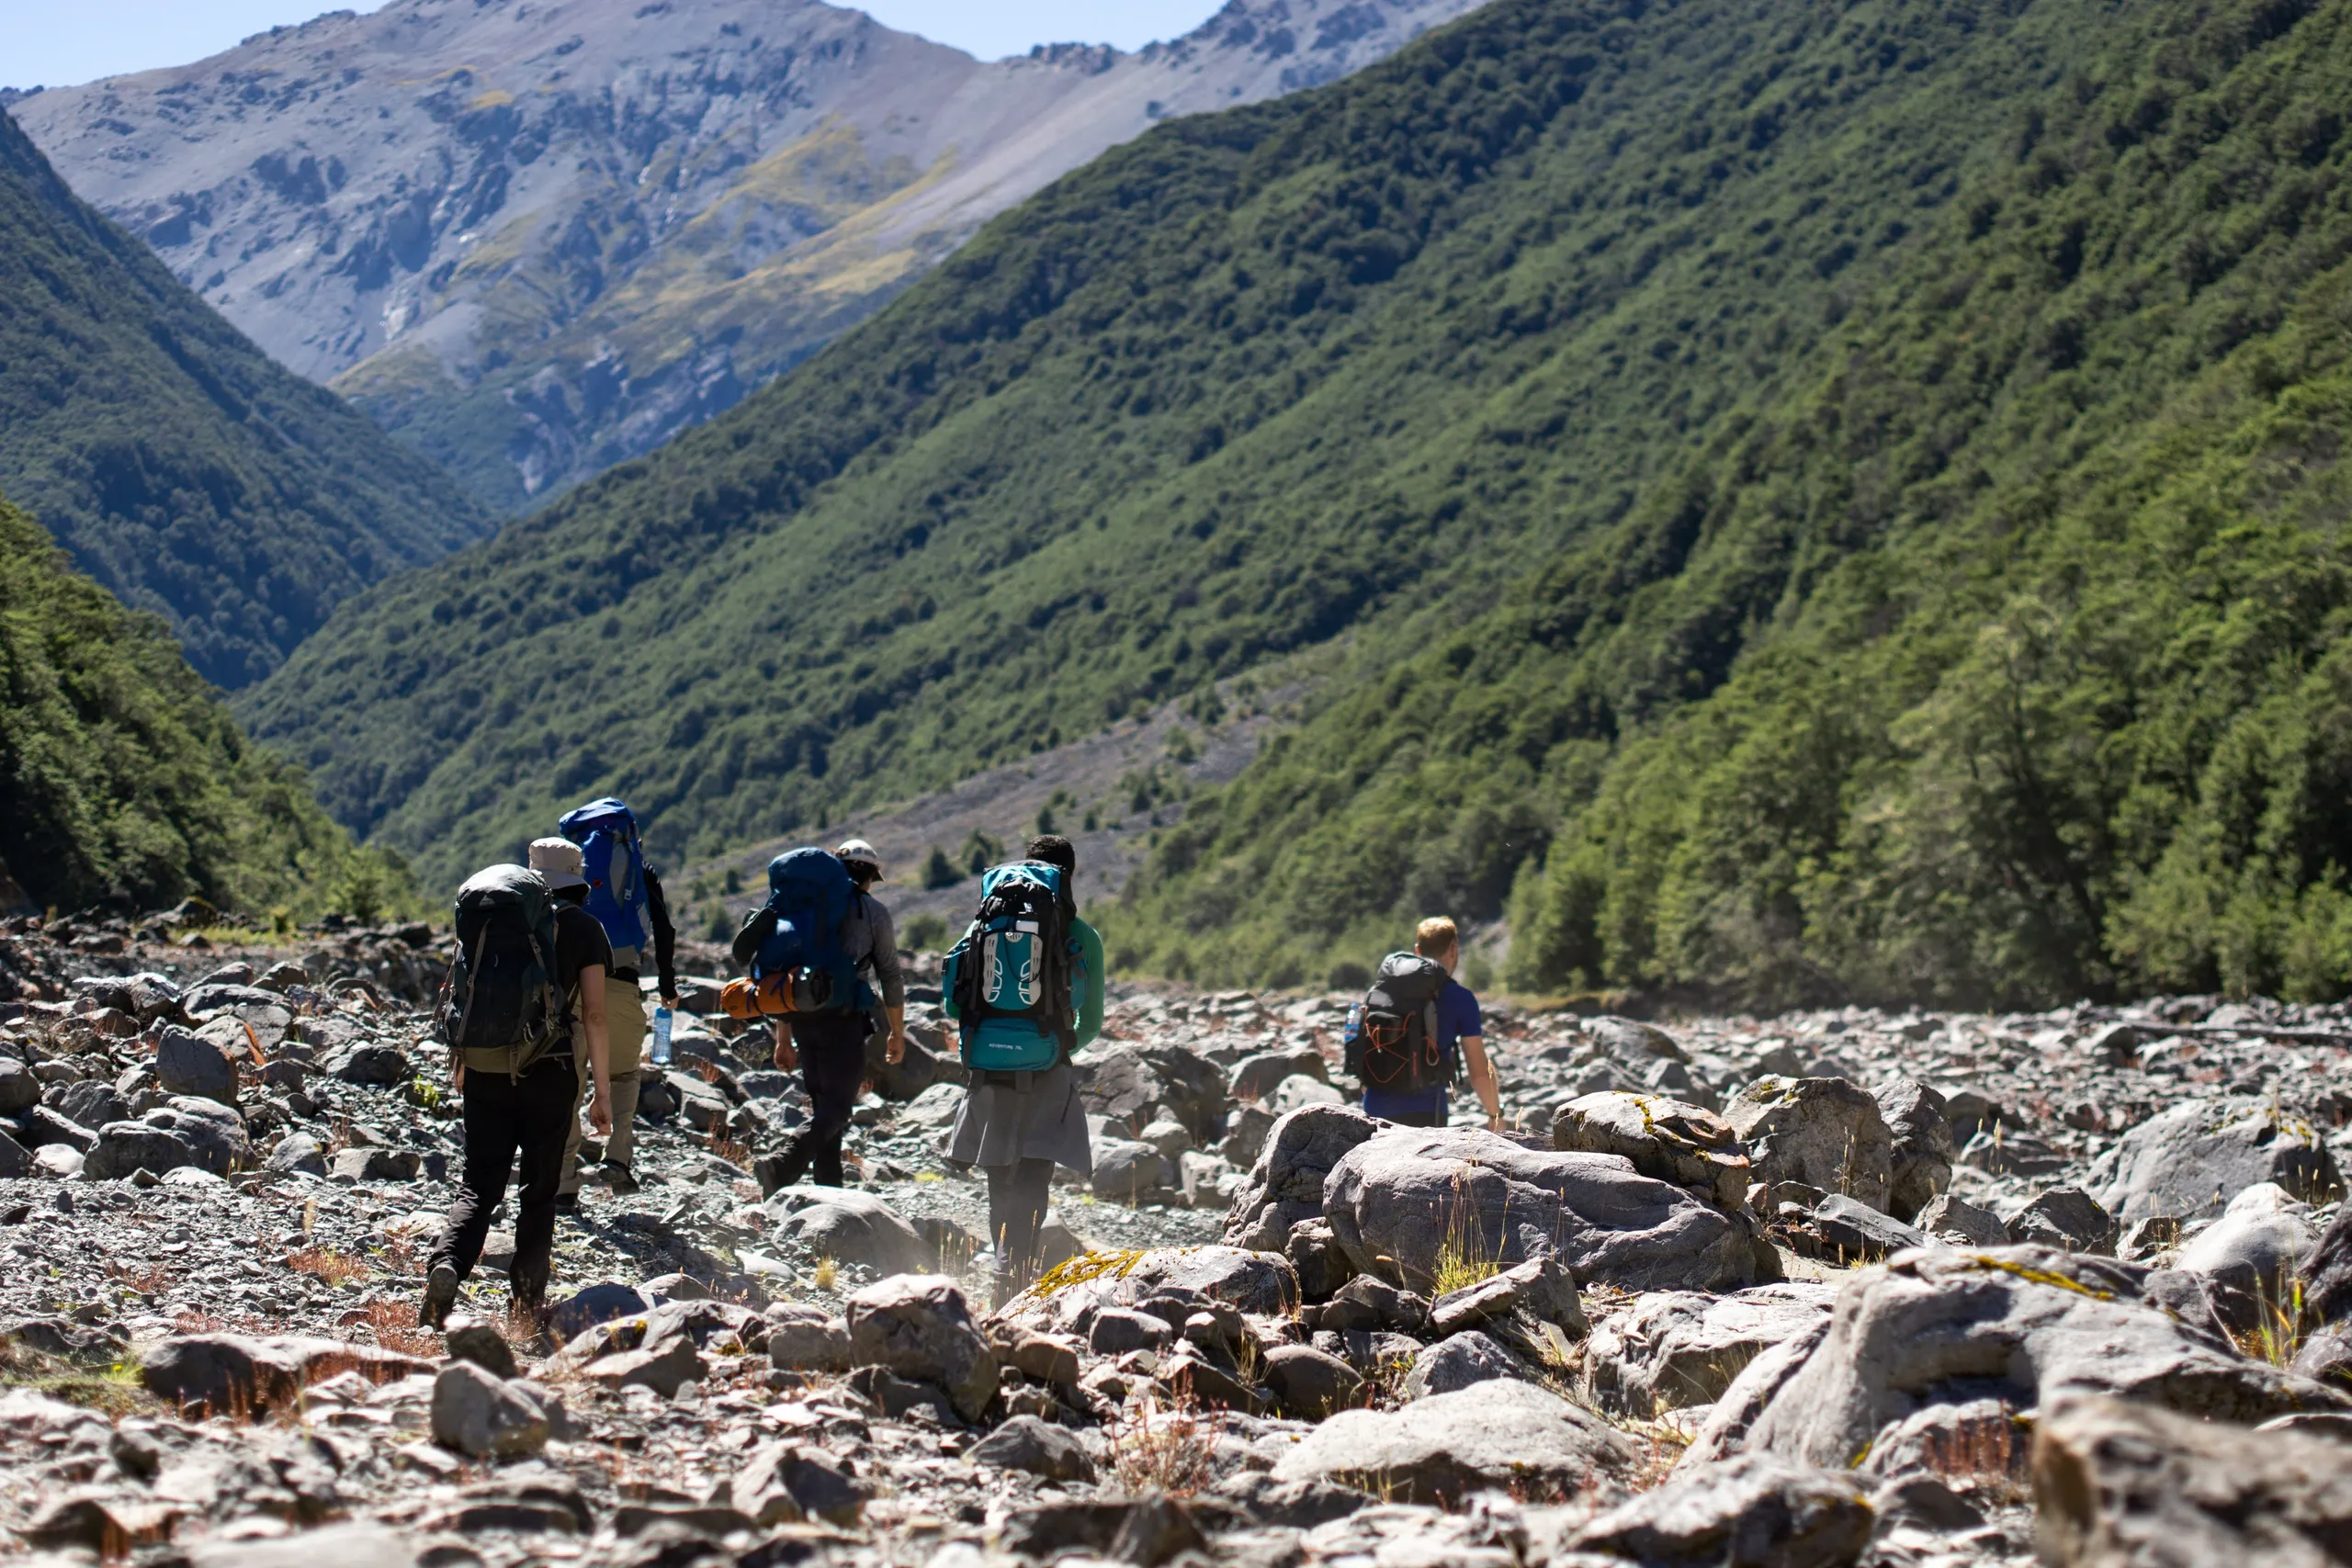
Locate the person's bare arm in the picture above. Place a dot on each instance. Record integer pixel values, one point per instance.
(787, 1058)
(600, 1051)
(1482, 1078)
(894, 1050)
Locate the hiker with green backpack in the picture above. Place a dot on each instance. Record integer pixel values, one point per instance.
(524, 1000)
(1024, 986)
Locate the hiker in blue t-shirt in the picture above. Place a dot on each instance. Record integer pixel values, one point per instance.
(1459, 1029)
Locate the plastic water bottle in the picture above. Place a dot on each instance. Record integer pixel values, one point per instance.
(661, 1037)
(1355, 1022)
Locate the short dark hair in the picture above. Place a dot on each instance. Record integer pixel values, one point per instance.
(1054, 850)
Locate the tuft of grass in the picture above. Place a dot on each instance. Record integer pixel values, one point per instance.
(395, 1327)
(335, 1268)
(1463, 1257)
(1156, 1449)
(2277, 1337)
(825, 1274)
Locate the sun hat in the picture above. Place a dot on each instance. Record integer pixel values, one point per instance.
(558, 861)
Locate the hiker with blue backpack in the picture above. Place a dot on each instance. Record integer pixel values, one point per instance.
(808, 951)
(1024, 986)
(625, 895)
(523, 1009)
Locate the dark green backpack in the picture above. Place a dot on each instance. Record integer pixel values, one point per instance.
(500, 1007)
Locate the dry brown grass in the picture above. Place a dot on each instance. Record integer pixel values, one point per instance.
(146, 1279)
(1161, 1449)
(1988, 1457)
(395, 1327)
(335, 1268)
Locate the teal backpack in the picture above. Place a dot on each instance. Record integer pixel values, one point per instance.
(1012, 973)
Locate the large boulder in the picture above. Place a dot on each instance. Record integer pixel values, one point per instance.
(1309, 1384)
(1825, 1132)
(1502, 1435)
(2326, 1269)
(2250, 1254)
(1459, 1362)
(1679, 1349)
(1286, 1184)
(2117, 1485)
(850, 1227)
(124, 1147)
(1129, 1172)
(231, 1374)
(1401, 1201)
(2188, 1162)
(1751, 1510)
(88, 1102)
(1923, 1149)
(1262, 1284)
(2024, 1323)
(919, 1326)
(1668, 1139)
(1129, 1079)
(19, 1091)
(1256, 1076)
(191, 1063)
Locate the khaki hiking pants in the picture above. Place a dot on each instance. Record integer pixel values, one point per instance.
(625, 1032)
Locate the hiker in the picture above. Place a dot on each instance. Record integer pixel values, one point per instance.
(882, 951)
(625, 895)
(526, 1001)
(1025, 986)
(808, 949)
(1418, 1024)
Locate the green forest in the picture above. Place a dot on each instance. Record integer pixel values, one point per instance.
(1806, 503)
(122, 774)
(180, 464)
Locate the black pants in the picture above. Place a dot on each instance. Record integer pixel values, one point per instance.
(832, 1068)
(1017, 1197)
(505, 1116)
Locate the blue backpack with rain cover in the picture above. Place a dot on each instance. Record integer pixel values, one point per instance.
(614, 862)
(1012, 973)
(804, 959)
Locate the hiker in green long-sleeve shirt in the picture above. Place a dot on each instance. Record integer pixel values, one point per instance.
(1021, 1115)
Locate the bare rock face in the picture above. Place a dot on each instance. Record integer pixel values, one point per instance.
(919, 1326)
(1502, 1434)
(1923, 1149)
(1826, 1133)
(1685, 1145)
(1285, 1185)
(2188, 1162)
(2025, 1323)
(2120, 1484)
(1679, 1349)
(850, 1227)
(1397, 1201)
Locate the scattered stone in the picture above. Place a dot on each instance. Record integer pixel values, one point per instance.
(807, 1338)
(1309, 1384)
(483, 1416)
(188, 1063)
(1504, 1434)
(1685, 1145)
(850, 1227)
(1753, 1510)
(1826, 1133)
(2067, 1218)
(2188, 1162)
(1027, 1443)
(1256, 1076)
(1962, 1224)
(1917, 1116)
(1675, 1349)
(230, 1374)
(919, 1326)
(471, 1340)
(1459, 1362)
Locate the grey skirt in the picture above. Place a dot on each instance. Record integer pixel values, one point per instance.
(1010, 1117)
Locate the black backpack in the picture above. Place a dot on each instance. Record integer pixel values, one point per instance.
(500, 1005)
(1394, 1048)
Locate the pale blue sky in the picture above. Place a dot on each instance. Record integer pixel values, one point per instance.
(61, 42)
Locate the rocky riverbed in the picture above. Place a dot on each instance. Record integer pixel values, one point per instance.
(1827, 1289)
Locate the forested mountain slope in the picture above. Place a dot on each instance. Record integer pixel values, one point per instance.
(2000, 654)
(535, 240)
(1355, 360)
(186, 471)
(121, 772)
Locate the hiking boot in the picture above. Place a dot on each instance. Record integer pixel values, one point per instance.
(567, 1202)
(440, 1296)
(619, 1177)
(774, 1173)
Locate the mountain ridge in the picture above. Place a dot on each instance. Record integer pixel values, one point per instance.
(564, 249)
(184, 470)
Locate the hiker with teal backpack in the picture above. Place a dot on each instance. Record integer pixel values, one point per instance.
(524, 1002)
(1024, 987)
(809, 950)
(625, 895)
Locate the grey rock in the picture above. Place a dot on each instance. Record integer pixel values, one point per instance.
(808, 1338)
(1668, 1139)
(2068, 1218)
(1256, 1076)
(1852, 1231)
(471, 1339)
(1826, 1132)
(1679, 1349)
(298, 1152)
(19, 1091)
(920, 1326)
(1131, 1078)
(1027, 1443)
(2190, 1161)
(701, 1105)
(483, 1417)
(127, 1146)
(1316, 1257)
(1459, 1362)
(2326, 1269)
(784, 1483)
(1633, 1042)
(342, 1546)
(1398, 1200)
(89, 1104)
(1540, 1286)
(2326, 1357)
(1751, 1510)
(1499, 1435)
(2023, 1322)
(1957, 1220)
(188, 1063)
(1288, 1505)
(664, 1363)
(375, 1164)
(1245, 1135)
(2119, 1484)
(16, 1160)
(369, 1063)
(59, 1162)
(1285, 1183)
(1309, 1384)
(1923, 1147)
(230, 1373)
(1130, 1171)
(850, 1227)
(1367, 1303)
(1116, 1331)
(2250, 1254)
(2006, 1151)
(596, 1303)
(41, 1127)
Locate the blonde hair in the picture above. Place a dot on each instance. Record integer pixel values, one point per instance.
(1435, 935)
